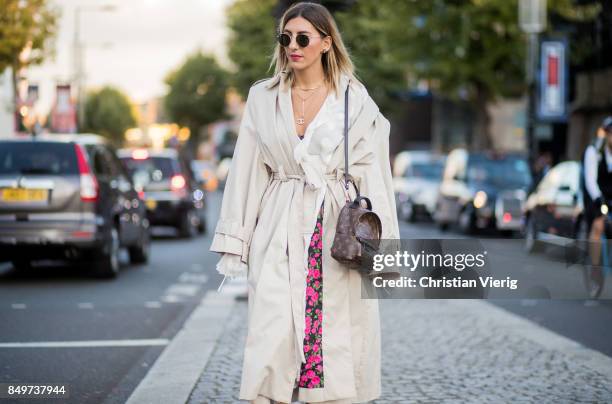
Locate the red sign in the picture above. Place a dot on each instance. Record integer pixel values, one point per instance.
(63, 114)
(553, 70)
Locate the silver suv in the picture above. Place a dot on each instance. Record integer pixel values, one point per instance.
(68, 197)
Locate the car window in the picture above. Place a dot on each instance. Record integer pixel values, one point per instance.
(506, 171)
(426, 170)
(152, 169)
(48, 158)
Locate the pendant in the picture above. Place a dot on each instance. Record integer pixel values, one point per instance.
(300, 121)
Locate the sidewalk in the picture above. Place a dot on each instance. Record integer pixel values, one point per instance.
(448, 351)
(434, 351)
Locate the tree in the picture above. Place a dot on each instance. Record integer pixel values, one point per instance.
(109, 113)
(372, 43)
(472, 50)
(25, 25)
(30, 24)
(251, 42)
(197, 93)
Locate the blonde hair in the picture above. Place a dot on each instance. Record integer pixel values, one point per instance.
(336, 61)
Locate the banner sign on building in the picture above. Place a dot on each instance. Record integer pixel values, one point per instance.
(63, 115)
(553, 78)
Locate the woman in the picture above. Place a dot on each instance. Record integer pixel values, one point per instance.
(310, 335)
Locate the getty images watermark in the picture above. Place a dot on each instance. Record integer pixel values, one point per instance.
(486, 268)
(423, 260)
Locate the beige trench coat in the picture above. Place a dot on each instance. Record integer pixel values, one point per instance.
(267, 209)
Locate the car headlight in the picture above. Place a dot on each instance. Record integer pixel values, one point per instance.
(604, 209)
(480, 199)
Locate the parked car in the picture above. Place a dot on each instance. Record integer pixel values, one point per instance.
(68, 197)
(403, 159)
(172, 194)
(483, 190)
(554, 210)
(416, 189)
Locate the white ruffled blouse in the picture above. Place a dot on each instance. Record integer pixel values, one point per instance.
(313, 152)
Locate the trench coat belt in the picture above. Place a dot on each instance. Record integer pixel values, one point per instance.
(279, 175)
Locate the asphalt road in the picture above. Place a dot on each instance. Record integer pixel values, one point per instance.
(137, 314)
(60, 325)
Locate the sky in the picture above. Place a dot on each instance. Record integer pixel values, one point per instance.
(133, 47)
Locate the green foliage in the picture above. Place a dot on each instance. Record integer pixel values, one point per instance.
(109, 113)
(475, 48)
(26, 24)
(252, 40)
(369, 30)
(197, 93)
(465, 49)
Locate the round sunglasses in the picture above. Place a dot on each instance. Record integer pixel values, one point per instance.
(302, 40)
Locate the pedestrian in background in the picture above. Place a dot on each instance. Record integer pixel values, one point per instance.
(311, 336)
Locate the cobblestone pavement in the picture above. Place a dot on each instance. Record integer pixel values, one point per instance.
(448, 351)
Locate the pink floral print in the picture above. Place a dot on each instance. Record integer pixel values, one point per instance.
(311, 375)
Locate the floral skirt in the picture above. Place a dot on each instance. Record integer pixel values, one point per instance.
(311, 374)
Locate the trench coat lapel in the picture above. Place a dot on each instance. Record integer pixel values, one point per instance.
(285, 108)
(359, 129)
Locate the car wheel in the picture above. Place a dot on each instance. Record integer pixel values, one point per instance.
(532, 244)
(139, 254)
(187, 227)
(107, 264)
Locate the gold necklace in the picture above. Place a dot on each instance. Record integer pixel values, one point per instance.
(300, 120)
(309, 89)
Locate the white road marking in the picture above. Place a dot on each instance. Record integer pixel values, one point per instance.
(85, 305)
(591, 303)
(18, 306)
(153, 305)
(87, 344)
(183, 289)
(171, 299)
(189, 277)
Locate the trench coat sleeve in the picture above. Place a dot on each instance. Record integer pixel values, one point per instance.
(246, 183)
(375, 179)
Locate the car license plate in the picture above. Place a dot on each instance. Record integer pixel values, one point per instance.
(151, 204)
(23, 195)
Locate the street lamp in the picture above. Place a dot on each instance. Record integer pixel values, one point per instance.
(78, 53)
(532, 19)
